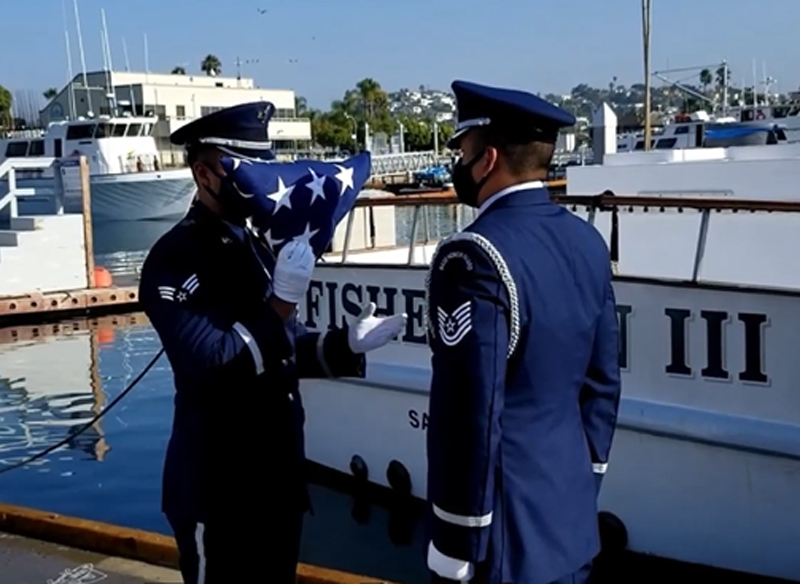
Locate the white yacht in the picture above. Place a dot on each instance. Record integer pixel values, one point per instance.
(127, 181)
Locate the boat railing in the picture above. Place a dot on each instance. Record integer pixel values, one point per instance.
(8, 174)
(140, 163)
(429, 217)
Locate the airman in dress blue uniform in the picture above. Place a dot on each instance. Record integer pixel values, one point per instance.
(526, 383)
(234, 489)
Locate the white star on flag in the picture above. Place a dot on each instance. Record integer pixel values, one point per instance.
(282, 196)
(344, 176)
(316, 186)
(307, 234)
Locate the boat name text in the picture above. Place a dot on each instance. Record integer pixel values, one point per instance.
(337, 302)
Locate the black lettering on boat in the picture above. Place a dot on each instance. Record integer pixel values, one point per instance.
(623, 318)
(418, 420)
(718, 327)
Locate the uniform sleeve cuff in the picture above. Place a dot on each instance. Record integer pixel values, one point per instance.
(600, 467)
(448, 567)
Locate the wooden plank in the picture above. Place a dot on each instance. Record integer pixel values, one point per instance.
(88, 234)
(40, 307)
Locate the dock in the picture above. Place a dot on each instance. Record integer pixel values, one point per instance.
(36, 546)
(47, 269)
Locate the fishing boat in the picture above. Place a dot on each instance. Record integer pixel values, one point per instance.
(127, 180)
(700, 130)
(705, 465)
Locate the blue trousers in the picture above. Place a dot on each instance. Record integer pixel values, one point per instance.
(228, 551)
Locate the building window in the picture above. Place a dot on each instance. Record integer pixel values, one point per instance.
(284, 113)
(209, 109)
(158, 110)
(180, 112)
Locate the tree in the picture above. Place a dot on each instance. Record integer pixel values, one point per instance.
(706, 79)
(5, 107)
(301, 107)
(50, 93)
(182, 70)
(721, 75)
(333, 130)
(211, 65)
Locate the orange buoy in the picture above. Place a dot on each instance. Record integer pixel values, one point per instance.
(102, 277)
(105, 335)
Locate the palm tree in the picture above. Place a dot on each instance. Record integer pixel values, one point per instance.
(211, 65)
(179, 70)
(706, 79)
(50, 93)
(300, 106)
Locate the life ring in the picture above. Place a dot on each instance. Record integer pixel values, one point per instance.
(760, 115)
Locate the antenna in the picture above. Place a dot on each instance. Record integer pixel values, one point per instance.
(146, 58)
(111, 95)
(71, 79)
(128, 69)
(125, 54)
(83, 56)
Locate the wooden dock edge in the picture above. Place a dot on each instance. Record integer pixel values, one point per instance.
(132, 544)
(48, 306)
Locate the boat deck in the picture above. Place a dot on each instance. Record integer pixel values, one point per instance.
(29, 561)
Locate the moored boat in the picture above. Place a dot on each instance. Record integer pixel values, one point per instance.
(706, 461)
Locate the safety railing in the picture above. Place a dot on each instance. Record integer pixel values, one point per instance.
(429, 217)
(10, 190)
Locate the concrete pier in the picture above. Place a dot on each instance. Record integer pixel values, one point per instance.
(40, 547)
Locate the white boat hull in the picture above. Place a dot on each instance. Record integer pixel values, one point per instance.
(703, 469)
(119, 197)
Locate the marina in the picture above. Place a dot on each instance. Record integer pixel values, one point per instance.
(699, 212)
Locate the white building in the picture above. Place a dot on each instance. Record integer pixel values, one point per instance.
(176, 100)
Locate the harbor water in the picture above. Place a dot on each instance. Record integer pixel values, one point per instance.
(51, 386)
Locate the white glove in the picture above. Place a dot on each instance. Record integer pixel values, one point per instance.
(293, 271)
(370, 332)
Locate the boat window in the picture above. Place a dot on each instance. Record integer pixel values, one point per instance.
(780, 112)
(37, 148)
(747, 115)
(666, 143)
(681, 130)
(104, 131)
(148, 130)
(80, 132)
(134, 130)
(16, 149)
(57, 152)
(119, 130)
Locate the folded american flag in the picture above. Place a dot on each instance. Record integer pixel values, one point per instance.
(304, 199)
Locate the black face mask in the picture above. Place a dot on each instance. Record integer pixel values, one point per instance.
(231, 202)
(467, 189)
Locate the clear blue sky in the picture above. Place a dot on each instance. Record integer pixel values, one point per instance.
(541, 46)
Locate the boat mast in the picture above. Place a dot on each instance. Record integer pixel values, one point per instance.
(128, 69)
(83, 57)
(71, 76)
(646, 21)
(110, 94)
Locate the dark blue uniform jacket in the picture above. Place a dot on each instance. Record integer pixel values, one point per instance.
(237, 437)
(525, 389)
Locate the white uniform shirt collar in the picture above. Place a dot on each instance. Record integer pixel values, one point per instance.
(535, 184)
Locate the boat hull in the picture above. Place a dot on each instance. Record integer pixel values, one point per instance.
(121, 197)
(705, 465)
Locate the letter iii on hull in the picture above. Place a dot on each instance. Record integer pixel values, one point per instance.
(526, 384)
